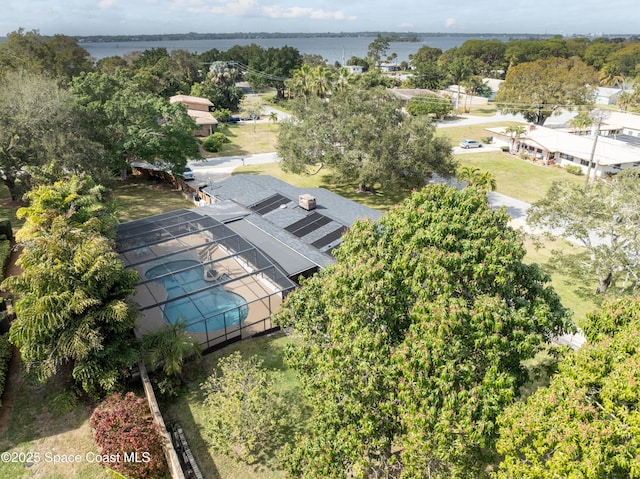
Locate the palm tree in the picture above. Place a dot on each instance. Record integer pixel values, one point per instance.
(459, 70)
(342, 80)
(468, 174)
(169, 348)
(581, 122)
(514, 131)
(471, 85)
(475, 178)
(322, 81)
(610, 75)
(273, 117)
(301, 81)
(486, 181)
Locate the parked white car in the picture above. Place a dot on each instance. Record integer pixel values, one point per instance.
(188, 174)
(470, 144)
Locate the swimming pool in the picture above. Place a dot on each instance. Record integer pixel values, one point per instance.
(208, 310)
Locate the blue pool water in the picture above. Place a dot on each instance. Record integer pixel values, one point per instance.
(208, 310)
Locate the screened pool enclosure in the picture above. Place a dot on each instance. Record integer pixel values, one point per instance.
(195, 268)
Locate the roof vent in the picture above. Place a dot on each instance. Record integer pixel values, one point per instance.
(307, 202)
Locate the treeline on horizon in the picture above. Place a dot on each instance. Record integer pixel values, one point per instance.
(389, 36)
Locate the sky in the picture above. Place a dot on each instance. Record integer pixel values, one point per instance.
(133, 17)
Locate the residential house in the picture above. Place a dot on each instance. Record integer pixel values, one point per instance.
(406, 94)
(198, 109)
(607, 154)
(226, 267)
(354, 69)
(607, 96)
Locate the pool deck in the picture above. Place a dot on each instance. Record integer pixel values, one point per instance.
(262, 299)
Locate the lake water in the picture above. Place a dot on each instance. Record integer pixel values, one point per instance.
(332, 49)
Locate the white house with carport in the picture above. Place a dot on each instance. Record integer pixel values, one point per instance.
(608, 155)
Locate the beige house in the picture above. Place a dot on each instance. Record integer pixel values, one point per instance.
(198, 109)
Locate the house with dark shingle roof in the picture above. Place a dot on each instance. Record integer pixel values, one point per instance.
(226, 267)
(274, 216)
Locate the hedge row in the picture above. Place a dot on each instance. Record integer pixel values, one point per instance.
(5, 252)
(5, 357)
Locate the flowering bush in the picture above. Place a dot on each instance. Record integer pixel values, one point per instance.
(127, 438)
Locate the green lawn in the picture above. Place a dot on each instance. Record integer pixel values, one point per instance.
(139, 197)
(576, 292)
(458, 133)
(518, 178)
(48, 420)
(189, 411)
(247, 139)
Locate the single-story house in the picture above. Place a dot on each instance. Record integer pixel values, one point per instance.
(406, 94)
(226, 267)
(623, 123)
(607, 95)
(554, 146)
(388, 67)
(354, 69)
(198, 109)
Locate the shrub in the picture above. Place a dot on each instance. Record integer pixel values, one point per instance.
(244, 409)
(429, 105)
(5, 228)
(214, 142)
(487, 140)
(573, 169)
(5, 357)
(222, 115)
(5, 253)
(124, 426)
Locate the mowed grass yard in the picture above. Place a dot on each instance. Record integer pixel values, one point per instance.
(247, 139)
(518, 178)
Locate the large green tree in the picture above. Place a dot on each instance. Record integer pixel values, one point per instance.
(244, 408)
(134, 125)
(410, 347)
(71, 299)
(40, 124)
(489, 53)
(426, 71)
(365, 138)
(539, 89)
(272, 67)
(604, 220)
(58, 57)
(587, 422)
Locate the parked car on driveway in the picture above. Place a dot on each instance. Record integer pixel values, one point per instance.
(470, 144)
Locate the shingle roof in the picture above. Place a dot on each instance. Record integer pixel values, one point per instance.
(312, 234)
(190, 99)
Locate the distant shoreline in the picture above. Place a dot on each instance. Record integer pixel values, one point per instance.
(391, 36)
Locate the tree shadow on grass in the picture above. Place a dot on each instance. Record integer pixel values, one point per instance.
(41, 410)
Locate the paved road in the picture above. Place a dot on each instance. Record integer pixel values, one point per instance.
(464, 119)
(217, 169)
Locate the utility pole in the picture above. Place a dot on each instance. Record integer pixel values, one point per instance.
(599, 115)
